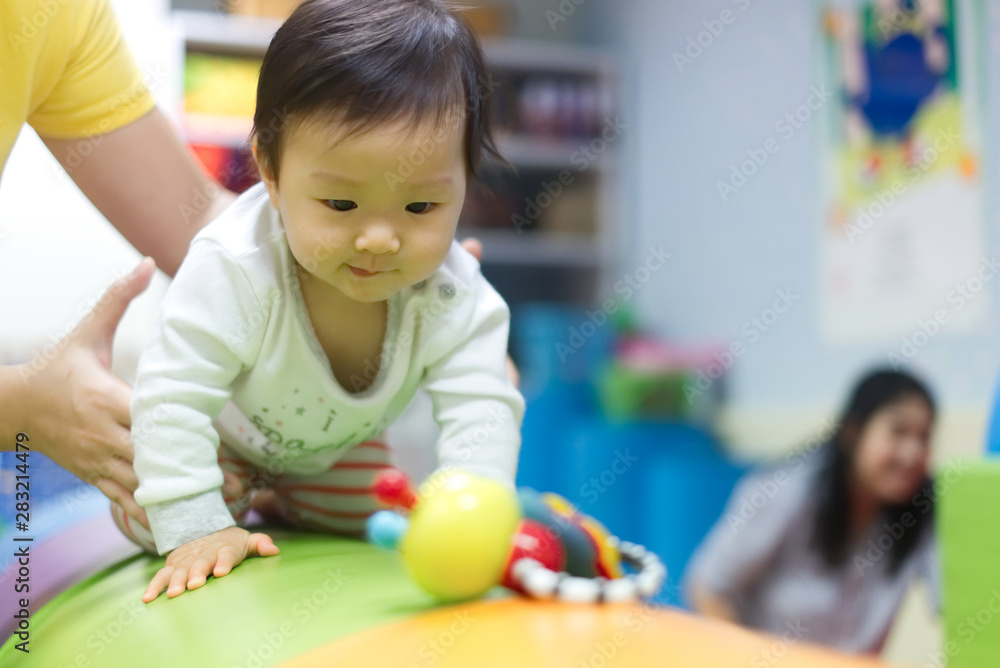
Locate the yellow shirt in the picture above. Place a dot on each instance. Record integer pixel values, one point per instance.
(66, 70)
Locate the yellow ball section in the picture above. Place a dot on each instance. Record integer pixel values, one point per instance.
(460, 534)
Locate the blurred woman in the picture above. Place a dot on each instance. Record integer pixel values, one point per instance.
(824, 550)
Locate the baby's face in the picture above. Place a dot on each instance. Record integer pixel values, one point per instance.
(374, 213)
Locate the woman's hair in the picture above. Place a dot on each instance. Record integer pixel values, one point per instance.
(369, 62)
(874, 392)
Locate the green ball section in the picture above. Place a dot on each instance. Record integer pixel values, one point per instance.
(265, 612)
(969, 535)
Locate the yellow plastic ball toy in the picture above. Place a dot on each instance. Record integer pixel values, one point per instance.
(460, 534)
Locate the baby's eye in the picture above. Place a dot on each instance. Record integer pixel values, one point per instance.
(420, 207)
(341, 204)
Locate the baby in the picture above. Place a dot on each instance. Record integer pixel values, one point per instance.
(305, 317)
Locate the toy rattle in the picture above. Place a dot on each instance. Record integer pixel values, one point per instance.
(465, 534)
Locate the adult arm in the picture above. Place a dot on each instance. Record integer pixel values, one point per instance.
(743, 543)
(73, 409)
(144, 181)
(98, 119)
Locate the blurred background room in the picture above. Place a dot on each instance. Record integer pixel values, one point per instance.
(720, 216)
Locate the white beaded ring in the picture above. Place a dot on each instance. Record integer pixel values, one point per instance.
(542, 583)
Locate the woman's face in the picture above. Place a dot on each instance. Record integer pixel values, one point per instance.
(890, 462)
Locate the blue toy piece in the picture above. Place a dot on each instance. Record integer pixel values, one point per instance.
(386, 528)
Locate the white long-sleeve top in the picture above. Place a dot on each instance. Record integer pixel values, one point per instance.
(233, 351)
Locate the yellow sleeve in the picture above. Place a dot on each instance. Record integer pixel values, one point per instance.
(101, 88)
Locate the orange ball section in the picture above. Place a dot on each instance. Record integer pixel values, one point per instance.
(529, 634)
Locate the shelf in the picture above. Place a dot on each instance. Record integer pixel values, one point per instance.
(547, 152)
(534, 57)
(226, 32)
(501, 247)
(252, 34)
(522, 152)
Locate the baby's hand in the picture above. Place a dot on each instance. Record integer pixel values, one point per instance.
(189, 565)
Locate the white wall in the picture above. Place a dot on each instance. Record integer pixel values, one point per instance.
(687, 129)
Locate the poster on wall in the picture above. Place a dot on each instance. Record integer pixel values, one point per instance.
(902, 247)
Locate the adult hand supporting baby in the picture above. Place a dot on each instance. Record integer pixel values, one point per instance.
(72, 407)
(74, 410)
(189, 566)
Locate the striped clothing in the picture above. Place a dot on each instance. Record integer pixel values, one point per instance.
(339, 500)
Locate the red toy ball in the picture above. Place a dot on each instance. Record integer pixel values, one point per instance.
(393, 488)
(534, 540)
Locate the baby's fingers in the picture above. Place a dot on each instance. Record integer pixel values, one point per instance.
(178, 582)
(157, 584)
(229, 557)
(199, 573)
(261, 544)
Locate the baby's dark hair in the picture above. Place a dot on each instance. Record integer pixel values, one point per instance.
(369, 62)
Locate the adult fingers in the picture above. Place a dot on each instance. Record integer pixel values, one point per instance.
(474, 246)
(119, 397)
(512, 373)
(98, 328)
(232, 485)
(121, 471)
(123, 498)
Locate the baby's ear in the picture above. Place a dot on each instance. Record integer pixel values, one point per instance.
(266, 173)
